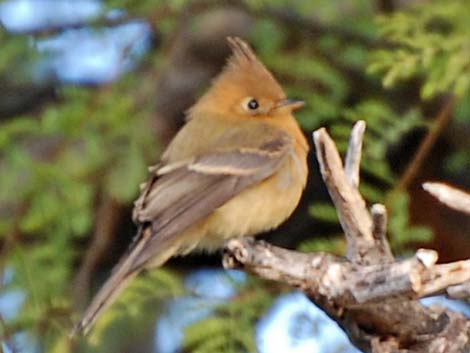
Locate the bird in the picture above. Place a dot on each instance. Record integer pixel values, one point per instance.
(238, 167)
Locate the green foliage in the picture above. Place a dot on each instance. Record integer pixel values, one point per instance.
(401, 232)
(385, 129)
(230, 329)
(333, 245)
(459, 161)
(432, 43)
(16, 57)
(324, 212)
(95, 145)
(137, 307)
(303, 70)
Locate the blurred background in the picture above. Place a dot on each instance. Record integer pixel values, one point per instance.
(92, 91)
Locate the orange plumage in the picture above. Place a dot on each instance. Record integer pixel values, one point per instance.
(237, 168)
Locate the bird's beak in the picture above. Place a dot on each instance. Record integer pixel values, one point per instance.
(292, 104)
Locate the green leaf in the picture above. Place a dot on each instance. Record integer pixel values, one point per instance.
(324, 212)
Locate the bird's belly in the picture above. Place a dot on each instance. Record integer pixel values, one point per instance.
(257, 209)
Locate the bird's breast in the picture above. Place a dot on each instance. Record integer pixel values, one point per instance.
(258, 208)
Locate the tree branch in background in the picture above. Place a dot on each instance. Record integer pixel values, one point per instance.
(371, 295)
(107, 218)
(439, 124)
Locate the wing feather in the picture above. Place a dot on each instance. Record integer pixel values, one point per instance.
(188, 193)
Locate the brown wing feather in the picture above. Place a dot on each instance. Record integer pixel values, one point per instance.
(188, 194)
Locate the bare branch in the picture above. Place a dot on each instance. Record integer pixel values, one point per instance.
(354, 216)
(343, 282)
(460, 291)
(371, 295)
(452, 197)
(352, 162)
(107, 218)
(361, 294)
(379, 218)
(440, 123)
(379, 231)
(351, 207)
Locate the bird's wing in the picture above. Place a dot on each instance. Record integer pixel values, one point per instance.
(182, 194)
(178, 196)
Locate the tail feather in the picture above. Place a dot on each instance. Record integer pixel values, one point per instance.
(122, 274)
(105, 297)
(128, 267)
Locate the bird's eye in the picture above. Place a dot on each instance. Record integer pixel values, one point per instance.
(252, 104)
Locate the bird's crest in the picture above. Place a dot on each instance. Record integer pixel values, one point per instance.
(242, 53)
(244, 65)
(243, 57)
(243, 76)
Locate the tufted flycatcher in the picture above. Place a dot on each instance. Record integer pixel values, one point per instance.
(237, 168)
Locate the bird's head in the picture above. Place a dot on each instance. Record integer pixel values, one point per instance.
(245, 88)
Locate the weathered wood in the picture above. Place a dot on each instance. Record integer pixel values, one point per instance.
(352, 163)
(451, 197)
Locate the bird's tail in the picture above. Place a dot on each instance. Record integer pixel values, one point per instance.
(105, 297)
(122, 274)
